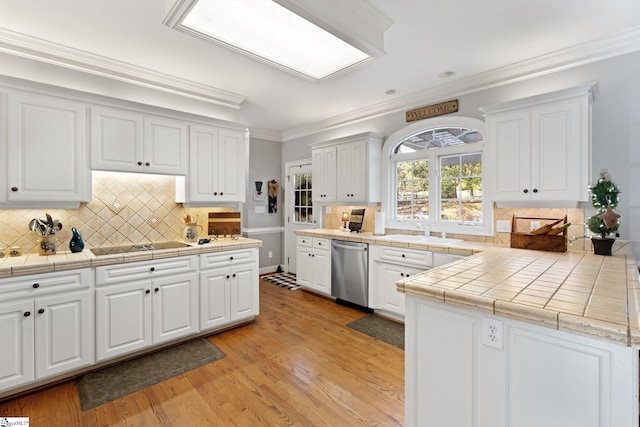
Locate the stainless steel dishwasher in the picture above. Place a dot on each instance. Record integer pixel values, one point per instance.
(350, 272)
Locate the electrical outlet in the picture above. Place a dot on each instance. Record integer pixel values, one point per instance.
(534, 225)
(492, 333)
(503, 226)
(270, 254)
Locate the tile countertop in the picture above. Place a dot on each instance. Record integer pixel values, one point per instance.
(578, 292)
(34, 263)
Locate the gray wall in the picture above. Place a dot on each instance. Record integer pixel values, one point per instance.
(265, 165)
(615, 129)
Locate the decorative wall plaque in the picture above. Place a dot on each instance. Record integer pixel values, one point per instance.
(432, 110)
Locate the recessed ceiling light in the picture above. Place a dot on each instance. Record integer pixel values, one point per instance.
(272, 33)
(446, 74)
(391, 91)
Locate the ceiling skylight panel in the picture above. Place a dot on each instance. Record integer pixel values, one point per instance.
(265, 29)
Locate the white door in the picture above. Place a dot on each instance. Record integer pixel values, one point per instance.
(175, 307)
(214, 298)
(299, 205)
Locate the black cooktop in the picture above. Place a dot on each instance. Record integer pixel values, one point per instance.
(137, 248)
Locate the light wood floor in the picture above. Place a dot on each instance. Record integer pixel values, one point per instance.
(297, 365)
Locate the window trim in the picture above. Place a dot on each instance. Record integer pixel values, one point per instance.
(388, 176)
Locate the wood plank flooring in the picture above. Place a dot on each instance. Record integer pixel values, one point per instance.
(296, 365)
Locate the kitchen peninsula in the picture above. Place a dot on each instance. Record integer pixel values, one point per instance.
(512, 337)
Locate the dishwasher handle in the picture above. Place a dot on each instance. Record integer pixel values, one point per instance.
(349, 247)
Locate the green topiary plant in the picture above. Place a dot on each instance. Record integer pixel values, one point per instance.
(605, 198)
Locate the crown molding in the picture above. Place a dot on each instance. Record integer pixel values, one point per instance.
(265, 134)
(621, 43)
(52, 53)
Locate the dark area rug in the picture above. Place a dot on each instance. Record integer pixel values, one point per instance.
(128, 377)
(285, 280)
(380, 328)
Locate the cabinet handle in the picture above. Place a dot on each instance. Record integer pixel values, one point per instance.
(35, 285)
(148, 291)
(222, 193)
(535, 190)
(27, 314)
(234, 275)
(215, 193)
(156, 289)
(40, 311)
(309, 254)
(147, 164)
(152, 269)
(231, 258)
(139, 163)
(407, 275)
(228, 276)
(525, 191)
(14, 189)
(313, 255)
(402, 255)
(401, 274)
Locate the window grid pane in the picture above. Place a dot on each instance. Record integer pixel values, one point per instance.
(461, 188)
(302, 204)
(412, 185)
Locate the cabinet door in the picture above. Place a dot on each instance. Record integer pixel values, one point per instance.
(64, 333)
(123, 319)
(203, 158)
(556, 152)
(165, 146)
(324, 162)
(214, 298)
(231, 165)
(510, 147)
(116, 140)
(17, 338)
(47, 150)
(244, 291)
(321, 261)
(304, 270)
(352, 163)
(388, 297)
(175, 307)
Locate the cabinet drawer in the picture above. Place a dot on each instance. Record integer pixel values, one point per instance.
(110, 274)
(322, 244)
(304, 241)
(412, 257)
(45, 283)
(225, 258)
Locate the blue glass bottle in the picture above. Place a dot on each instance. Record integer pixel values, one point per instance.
(76, 244)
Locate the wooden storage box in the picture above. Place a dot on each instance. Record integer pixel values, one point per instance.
(538, 242)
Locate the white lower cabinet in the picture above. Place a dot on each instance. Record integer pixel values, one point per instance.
(145, 303)
(313, 271)
(388, 265)
(229, 290)
(527, 376)
(46, 326)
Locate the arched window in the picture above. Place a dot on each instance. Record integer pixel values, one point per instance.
(435, 174)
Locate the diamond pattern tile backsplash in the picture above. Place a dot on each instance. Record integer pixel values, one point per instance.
(126, 208)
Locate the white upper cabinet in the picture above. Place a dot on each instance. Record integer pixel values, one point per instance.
(126, 141)
(347, 169)
(539, 149)
(217, 165)
(324, 166)
(46, 151)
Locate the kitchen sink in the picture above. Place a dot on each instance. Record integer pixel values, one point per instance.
(111, 250)
(428, 240)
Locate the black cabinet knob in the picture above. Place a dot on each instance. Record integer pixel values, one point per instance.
(35, 285)
(525, 191)
(228, 276)
(27, 314)
(40, 311)
(156, 289)
(139, 163)
(14, 189)
(234, 274)
(403, 255)
(148, 291)
(152, 269)
(215, 193)
(231, 258)
(147, 164)
(535, 190)
(401, 274)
